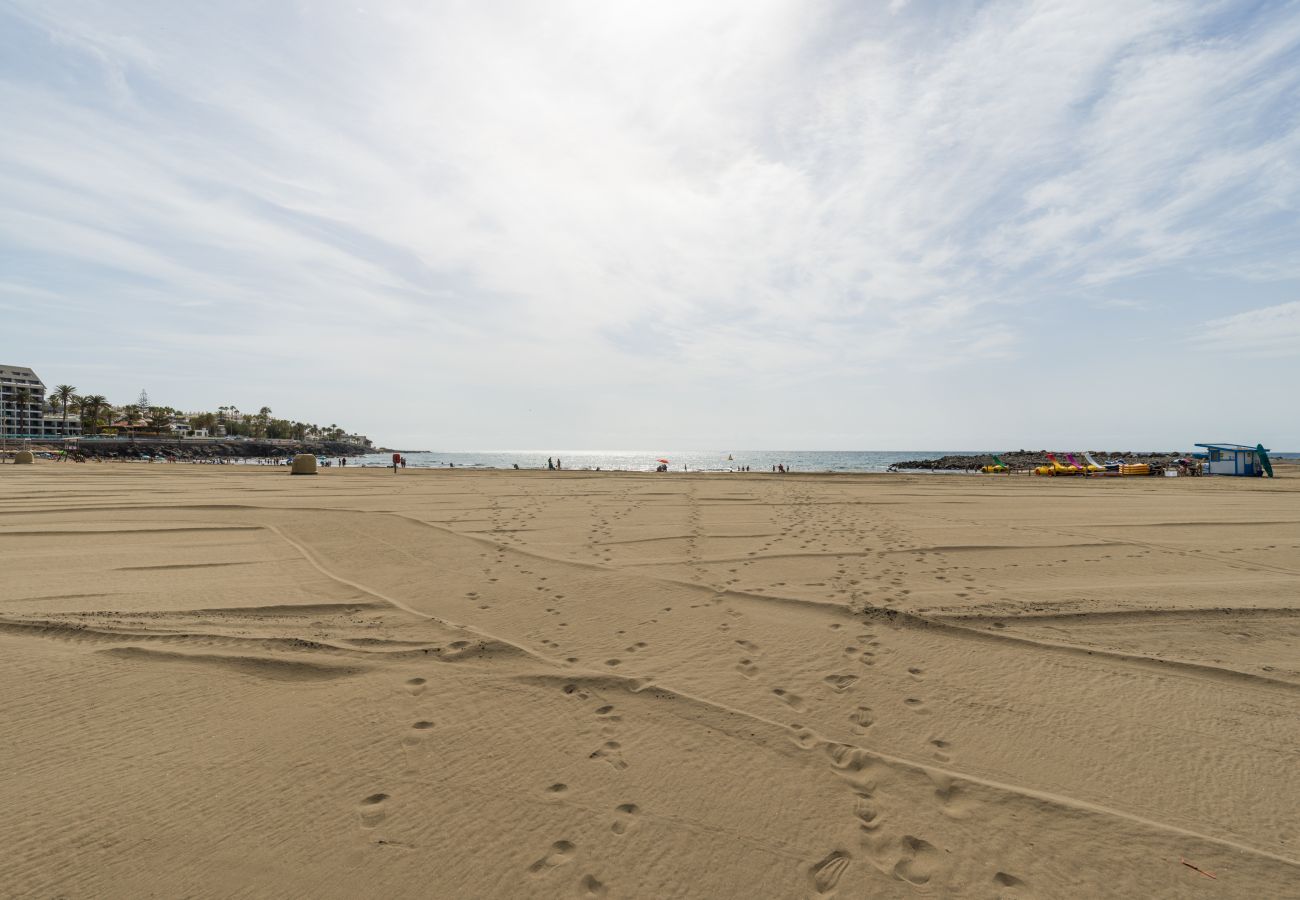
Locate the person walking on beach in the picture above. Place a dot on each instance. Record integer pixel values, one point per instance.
(557, 463)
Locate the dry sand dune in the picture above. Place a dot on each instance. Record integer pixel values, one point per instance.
(229, 682)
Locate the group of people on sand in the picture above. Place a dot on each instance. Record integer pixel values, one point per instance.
(553, 464)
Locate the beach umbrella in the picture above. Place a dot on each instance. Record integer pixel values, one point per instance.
(664, 461)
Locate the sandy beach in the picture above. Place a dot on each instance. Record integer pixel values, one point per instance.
(225, 681)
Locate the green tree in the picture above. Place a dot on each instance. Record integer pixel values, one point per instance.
(23, 397)
(131, 415)
(160, 419)
(91, 408)
(263, 419)
(64, 393)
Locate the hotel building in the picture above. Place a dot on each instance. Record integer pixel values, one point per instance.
(29, 419)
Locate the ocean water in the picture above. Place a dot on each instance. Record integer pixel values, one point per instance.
(648, 460)
(692, 460)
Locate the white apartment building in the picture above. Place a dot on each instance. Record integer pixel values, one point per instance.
(29, 419)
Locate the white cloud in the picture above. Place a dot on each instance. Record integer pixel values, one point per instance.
(1270, 331)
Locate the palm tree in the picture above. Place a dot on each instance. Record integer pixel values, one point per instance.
(91, 407)
(263, 417)
(23, 397)
(63, 393)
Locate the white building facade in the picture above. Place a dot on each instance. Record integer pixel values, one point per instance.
(23, 414)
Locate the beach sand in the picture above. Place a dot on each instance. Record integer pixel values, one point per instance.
(226, 681)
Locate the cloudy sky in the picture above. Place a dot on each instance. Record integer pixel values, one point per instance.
(732, 224)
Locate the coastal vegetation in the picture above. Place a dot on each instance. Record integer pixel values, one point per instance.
(98, 416)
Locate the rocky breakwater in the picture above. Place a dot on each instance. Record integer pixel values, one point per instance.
(1028, 459)
(181, 450)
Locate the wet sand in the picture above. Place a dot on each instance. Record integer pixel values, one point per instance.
(226, 681)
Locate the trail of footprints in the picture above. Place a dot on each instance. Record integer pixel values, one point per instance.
(910, 858)
(625, 818)
(907, 857)
(373, 810)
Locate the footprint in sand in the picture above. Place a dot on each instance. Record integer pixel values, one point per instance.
(748, 645)
(589, 888)
(920, 859)
(918, 674)
(803, 738)
(612, 753)
(371, 811)
(867, 815)
(560, 853)
(613, 663)
(626, 818)
(862, 719)
(785, 696)
(953, 799)
(915, 704)
(826, 874)
(941, 748)
(747, 668)
(557, 789)
(840, 683)
(413, 740)
(415, 686)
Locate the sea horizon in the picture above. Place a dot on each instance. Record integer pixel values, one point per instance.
(690, 460)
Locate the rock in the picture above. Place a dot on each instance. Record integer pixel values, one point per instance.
(1026, 459)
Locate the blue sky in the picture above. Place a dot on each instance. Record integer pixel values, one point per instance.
(606, 224)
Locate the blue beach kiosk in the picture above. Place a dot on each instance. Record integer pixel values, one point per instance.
(1237, 459)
